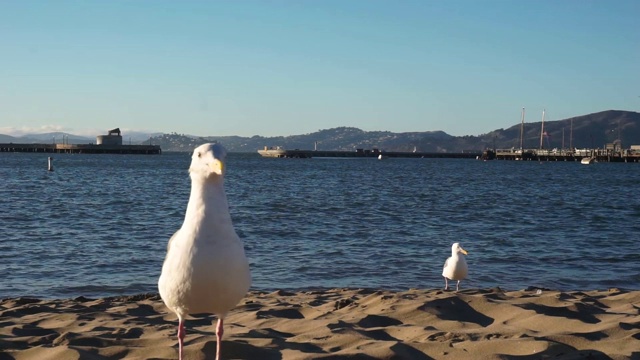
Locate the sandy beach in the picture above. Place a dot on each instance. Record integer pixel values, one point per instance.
(335, 324)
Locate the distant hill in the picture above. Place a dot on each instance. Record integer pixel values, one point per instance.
(133, 137)
(48, 138)
(6, 139)
(138, 137)
(589, 131)
(342, 138)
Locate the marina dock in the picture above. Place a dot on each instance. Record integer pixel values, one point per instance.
(361, 153)
(597, 155)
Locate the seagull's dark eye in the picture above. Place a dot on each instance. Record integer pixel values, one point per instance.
(199, 155)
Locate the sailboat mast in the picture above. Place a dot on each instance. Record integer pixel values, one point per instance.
(619, 139)
(542, 129)
(522, 131)
(571, 135)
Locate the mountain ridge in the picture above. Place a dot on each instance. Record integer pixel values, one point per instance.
(589, 131)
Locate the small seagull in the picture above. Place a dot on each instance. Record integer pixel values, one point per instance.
(455, 268)
(206, 269)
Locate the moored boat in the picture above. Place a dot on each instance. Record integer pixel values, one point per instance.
(588, 160)
(276, 152)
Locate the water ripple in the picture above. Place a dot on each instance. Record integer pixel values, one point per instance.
(99, 224)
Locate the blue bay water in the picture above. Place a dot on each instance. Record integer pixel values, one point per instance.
(99, 224)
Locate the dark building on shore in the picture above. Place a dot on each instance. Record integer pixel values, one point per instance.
(114, 138)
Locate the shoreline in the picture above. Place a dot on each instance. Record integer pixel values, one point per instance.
(335, 323)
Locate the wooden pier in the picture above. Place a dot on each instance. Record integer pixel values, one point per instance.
(82, 148)
(360, 153)
(599, 155)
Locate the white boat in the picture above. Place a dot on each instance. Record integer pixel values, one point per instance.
(588, 160)
(272, 152)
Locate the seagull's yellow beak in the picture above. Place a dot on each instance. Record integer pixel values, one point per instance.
(217, 166)
(463, 251)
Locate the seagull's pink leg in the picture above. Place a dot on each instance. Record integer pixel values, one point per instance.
(446, 283)
(181, 332)
(219, 332)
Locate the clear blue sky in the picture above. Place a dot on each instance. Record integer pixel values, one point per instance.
(293, 67)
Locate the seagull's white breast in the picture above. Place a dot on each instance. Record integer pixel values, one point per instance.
(455, 268)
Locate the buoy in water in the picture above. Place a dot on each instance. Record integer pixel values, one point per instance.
(50, 164)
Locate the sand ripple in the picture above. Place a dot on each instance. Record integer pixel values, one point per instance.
(335, 324)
